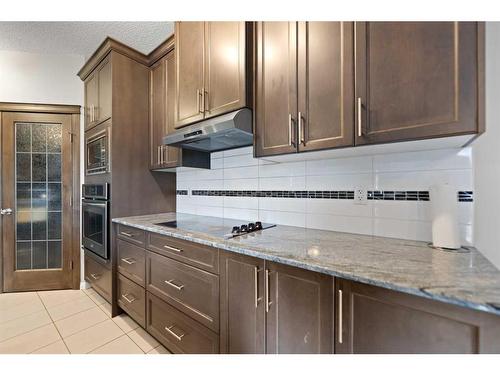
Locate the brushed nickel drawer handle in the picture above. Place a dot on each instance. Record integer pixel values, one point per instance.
(302, 139)
(290, 129)
(340, 317)
(268, 292)
(360, 117)
(172, 284)
(172, 248)
(256, 276)
(95, 276)
(178, 337)
(129, 261)
(129, 300)
(127, 234)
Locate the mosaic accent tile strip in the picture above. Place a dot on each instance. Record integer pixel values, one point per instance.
(398, 195)
(465, 196)
(276, 194)
(385, 195)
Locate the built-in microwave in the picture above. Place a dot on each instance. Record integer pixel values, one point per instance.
(97, 153)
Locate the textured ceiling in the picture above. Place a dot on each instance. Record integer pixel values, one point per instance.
(81, 38)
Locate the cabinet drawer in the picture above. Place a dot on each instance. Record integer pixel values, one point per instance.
(193, 291)
(131, 261)
(132, 298)
(204, 257)
(99, 277)
(178, 332)
(131, 234)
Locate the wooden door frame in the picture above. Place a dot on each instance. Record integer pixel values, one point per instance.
(74, 112)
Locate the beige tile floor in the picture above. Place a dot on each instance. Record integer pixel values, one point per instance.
(68, 321)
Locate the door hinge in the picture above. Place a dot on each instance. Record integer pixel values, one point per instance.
(71, 136)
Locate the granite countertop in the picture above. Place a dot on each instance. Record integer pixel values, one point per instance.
(465, 279)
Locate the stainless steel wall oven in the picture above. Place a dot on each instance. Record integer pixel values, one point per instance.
(95, 219)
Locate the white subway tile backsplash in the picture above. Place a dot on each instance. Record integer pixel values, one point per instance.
(241, 202)
(241, 172)
(240, 161)
(238, 151)
(339, 181)
(295, 219)
(461, 179)
(237, 170)
(343, 207)
(424, 160)
(282, 183)
(241, 184)
(241, 214)
(342, 165)
(349, 224)
(283, 169)
(282, 204)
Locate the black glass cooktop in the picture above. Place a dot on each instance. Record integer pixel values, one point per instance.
(219, 227)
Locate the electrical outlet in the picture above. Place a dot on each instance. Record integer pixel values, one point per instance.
(360, 196)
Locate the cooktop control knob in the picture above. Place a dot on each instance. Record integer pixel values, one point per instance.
(258, 225)
(244, 228)
(251, 227)
(236, 230)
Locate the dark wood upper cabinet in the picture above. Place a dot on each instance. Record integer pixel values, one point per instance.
(190, 55)
(98, 95)
(105, 99)
(242, 310)
(300, 310)
(325, 115)
(91, 99)
(304, 86)
(162, 107)
(416, 80)
(380, 321)
(275, 107)
(212, 74)
(224, 67)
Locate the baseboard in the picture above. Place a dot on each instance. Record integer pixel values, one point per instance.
(84, 285)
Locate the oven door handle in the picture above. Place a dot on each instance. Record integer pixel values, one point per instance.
(94, 203)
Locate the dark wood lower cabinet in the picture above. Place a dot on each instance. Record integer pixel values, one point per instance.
(300, 310)
(377, 320)
(242, 309)
(178, 332)
(98, 275)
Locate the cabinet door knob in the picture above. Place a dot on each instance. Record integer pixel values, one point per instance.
(290, 130)
(170, 330)
(302, 136)
(126, 298)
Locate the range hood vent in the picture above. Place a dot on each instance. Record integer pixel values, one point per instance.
(223, 132)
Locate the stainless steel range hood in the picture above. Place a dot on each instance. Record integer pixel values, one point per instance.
(223, 132)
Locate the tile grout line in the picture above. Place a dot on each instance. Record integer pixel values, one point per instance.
(53, 323)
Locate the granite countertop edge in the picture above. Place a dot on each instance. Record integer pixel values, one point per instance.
(249, 250)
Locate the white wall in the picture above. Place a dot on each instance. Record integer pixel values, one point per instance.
(486, 155)
(42, 78)
(39, 78)
(408, 171)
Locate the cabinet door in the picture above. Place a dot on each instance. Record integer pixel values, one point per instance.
(225, 72)
(415, 80)
(158, 114)
(91, 100)
(171, 153)
(242, 310)
(300, 316)
(325, 85)
(189, 47)
(276, 88)
(380, 321)
(105, 99)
